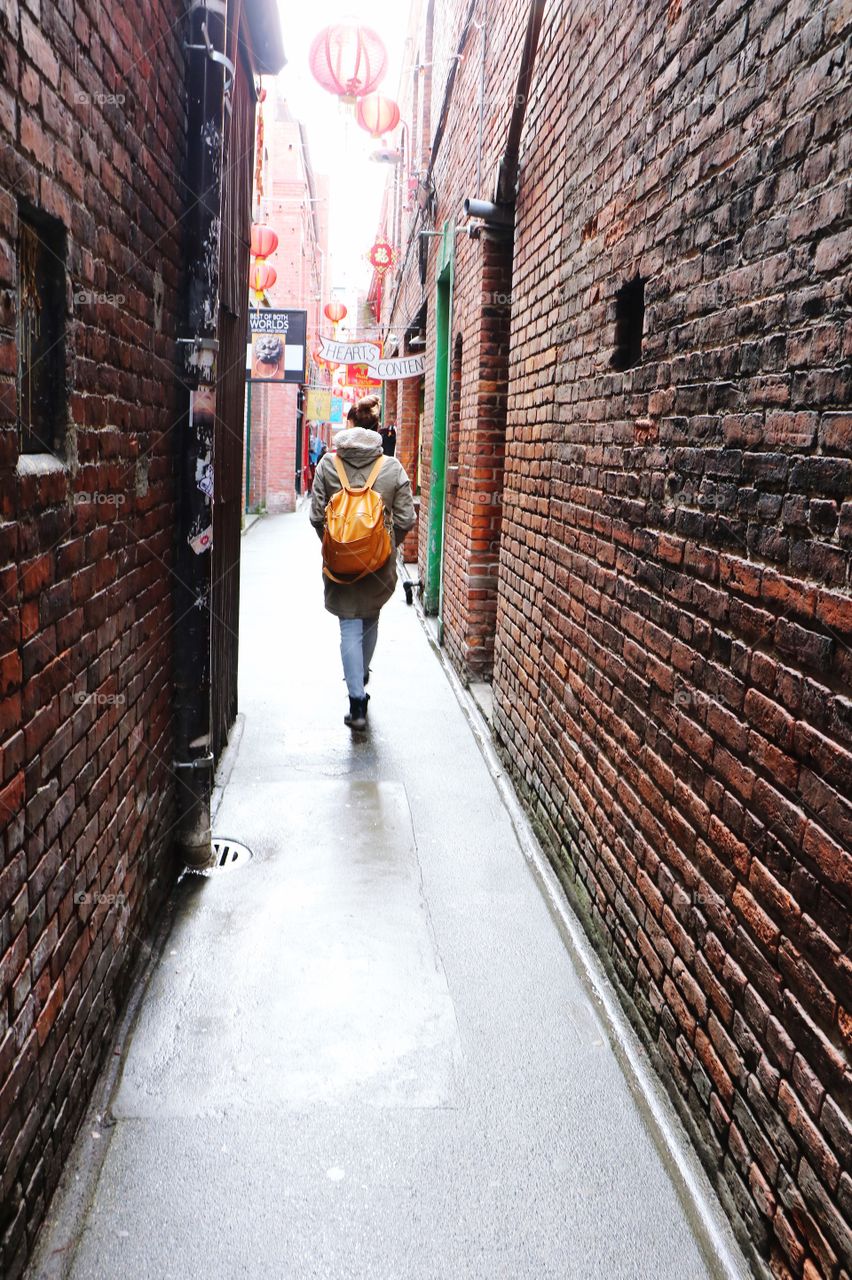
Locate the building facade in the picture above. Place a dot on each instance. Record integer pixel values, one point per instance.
(293, 201)
(636, 477)
(108, 372)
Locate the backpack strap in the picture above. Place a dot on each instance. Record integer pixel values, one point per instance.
(374, 474)
(341, 471)
(368, 483)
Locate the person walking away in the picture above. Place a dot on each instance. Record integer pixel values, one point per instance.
(357, 600)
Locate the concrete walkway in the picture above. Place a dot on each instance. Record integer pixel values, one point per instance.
(368, 1054)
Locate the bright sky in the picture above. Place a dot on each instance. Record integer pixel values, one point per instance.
(338, 146)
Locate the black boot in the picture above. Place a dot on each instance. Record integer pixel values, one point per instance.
(357, 718)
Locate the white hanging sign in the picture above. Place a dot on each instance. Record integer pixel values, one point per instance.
(369, 354)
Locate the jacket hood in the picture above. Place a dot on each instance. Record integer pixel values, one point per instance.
(357, 445)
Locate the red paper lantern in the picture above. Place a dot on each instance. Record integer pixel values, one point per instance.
(262, 277)
(335, 312)
(264, 241)
(377, 114)
(348, 59)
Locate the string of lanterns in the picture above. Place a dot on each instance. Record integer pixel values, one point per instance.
(350, 60)
(264, 242)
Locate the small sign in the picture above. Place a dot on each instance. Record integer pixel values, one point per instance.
(277, 345)
(202, 541)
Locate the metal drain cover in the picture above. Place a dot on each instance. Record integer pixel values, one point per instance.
(228, 855)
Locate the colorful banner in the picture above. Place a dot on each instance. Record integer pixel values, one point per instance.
(336, 409)
(369, 354)
(318, 406)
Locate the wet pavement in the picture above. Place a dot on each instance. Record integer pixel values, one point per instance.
(368, 1053)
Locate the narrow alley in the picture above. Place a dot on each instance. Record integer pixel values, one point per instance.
(540, 964)
(348, 1061)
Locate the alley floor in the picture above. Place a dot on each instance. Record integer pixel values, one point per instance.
(368, 1052)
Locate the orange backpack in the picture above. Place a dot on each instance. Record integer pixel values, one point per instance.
(355, 540)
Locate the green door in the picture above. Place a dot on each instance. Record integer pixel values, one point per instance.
(438, 486)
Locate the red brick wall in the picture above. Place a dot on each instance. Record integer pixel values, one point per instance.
(391, 412)
(85, 590)
(281, 445)
(673, 614)
(407, 440)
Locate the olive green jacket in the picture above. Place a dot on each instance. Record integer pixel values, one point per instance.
(358, 450)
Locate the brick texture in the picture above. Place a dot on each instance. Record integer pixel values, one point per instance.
(671, 617)
(88, 135)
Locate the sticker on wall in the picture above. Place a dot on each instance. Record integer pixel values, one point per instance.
(205, 480)
(202, 541)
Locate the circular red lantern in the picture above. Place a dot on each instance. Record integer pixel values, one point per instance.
(335, 312)
(262, 277)
(264, 240)
(348, 59)
(377, 114)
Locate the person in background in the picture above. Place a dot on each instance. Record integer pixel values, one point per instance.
(388, 435)
(316, 449)
(357, 604)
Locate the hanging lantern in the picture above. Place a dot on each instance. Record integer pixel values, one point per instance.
(348, 59)
(335, 312)
(261, 278)
(377, 114)
(264, 241)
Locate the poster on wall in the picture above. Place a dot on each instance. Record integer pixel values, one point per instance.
(318, 406)
(277, 346)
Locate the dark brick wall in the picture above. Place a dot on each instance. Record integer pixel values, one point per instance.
(673, 615)
(91, 132)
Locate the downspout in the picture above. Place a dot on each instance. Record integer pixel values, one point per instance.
(498, 214)
(207, 68)
(481, 122)
(507, 174)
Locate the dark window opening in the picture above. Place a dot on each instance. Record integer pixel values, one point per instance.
(629, 324)
(454, 418)
(41, 330)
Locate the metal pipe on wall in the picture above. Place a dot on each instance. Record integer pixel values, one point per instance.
(207, 68)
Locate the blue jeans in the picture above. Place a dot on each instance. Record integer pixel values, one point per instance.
(358, 638)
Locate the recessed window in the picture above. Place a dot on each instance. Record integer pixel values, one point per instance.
(629, 323)
(41, 331)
